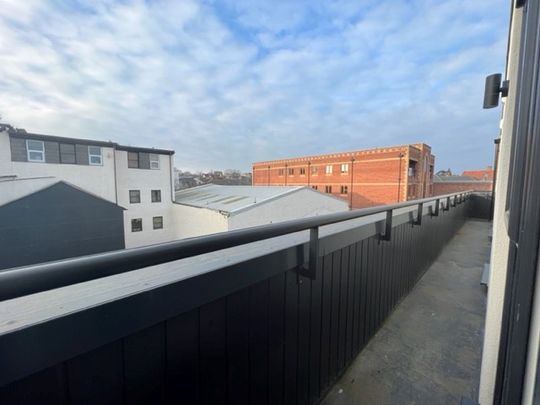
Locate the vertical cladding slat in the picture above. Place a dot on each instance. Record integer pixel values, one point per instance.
(238, 334)
(378, 272)
(355, 292)
(45, 387)
(350, 304)
(370, 277)
(326, 320)
(291, 338)
(276, 338)
(144, 365)
(96, 376)
(182, 337)
(334, 323)
(315, 334)
(343, 304)
(213, 352)
(258, 342)
(363, 327)
(383, 247)
(304, 322)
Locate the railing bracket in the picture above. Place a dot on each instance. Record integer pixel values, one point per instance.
(387, 227)
(418, 220)
(309, 269)
(435, 213)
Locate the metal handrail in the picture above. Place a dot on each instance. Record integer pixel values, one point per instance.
(27, 280)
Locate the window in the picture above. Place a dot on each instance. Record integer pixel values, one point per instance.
(344, 190)
(133, 160)
(314, 187)
(136, 225)
(412, 168)
(328, 189)
(329, 169)
(291, 172)
(156, 195)
(345, 168)
(158, 222)
(154, 161)
(302, 170)
(314, 170)
(35, 151)
(134, 196)
(281, 172)
(94, 156)
(67, 153)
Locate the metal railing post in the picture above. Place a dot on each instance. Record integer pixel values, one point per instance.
(310, 270)
(447, 206)
(418, 220)
(388, 226)
(437, 207)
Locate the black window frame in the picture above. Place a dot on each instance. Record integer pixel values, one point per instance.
(134, 228)
(160, 217)
(132, 194)
(157, 193)
(131, 159)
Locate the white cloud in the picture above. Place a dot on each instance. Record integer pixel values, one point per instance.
(228, 83)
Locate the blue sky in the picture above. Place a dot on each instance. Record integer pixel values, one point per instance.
(226, 83)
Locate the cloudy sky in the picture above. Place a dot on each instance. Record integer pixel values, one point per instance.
(229, 82)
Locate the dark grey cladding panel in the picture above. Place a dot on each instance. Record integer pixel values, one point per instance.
(63, 222)
(52, 152)
(144, 160)
(18, 149)
(81, 152)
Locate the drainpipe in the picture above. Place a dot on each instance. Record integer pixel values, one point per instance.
(308, 173)
(399, 177)
(495, 164)
(286, 173)
(352, 185)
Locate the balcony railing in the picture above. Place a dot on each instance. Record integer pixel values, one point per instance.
(271, 314)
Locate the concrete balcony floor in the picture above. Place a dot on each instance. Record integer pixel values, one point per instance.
(429, 350)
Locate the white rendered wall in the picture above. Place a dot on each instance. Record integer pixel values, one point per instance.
(300, 204)
(97, 180)
(145, 180)
(194, 221)
(500, 244)
(13, 190)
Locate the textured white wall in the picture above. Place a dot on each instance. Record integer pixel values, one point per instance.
(300, 204)
(193, 221)
(500, 244)
(13, 190)
(98, 180)
(145, 180)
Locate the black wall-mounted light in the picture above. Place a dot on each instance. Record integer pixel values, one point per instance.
(494, 86)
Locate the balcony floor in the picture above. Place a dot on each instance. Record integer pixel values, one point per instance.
(429, 349)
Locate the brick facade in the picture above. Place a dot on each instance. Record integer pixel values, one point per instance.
(362, 178)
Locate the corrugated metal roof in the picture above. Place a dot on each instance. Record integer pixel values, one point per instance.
(230, 198)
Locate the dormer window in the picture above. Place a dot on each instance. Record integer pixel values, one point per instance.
(154, 161)
(35, 150)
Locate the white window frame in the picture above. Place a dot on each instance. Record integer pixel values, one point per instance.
(93, 155)
(329, 169)
(42, 151)
(154, 161)
(344, 168)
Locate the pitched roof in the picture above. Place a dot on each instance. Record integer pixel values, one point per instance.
(231, 198)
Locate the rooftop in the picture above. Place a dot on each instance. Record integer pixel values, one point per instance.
(231, 198)
(396, 148)
(21, 133)
(455, 179)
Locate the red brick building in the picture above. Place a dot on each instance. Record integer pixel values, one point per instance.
(363, 178)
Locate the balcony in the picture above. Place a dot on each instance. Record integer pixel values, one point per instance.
(273, 314)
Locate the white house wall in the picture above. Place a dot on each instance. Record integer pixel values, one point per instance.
(194, 221)
(299, 204)
(145, 180)
(97, 180)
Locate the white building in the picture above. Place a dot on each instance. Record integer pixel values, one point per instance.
(212, 208)
(137, 179)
